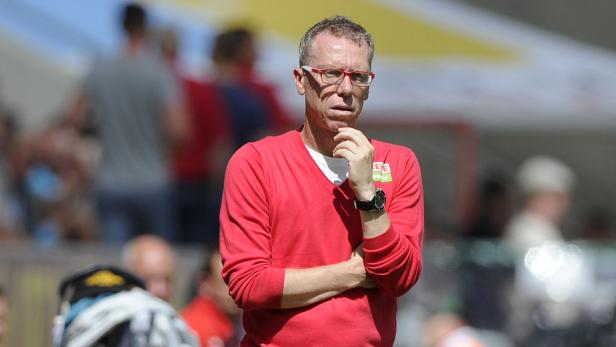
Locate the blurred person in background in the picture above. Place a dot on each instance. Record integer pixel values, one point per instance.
(312, 250)
(3, 313)
(253, 107)
(134, 105)
(11, 152)
(153, 260)
(483, 279)
(546, 185)
(553, 278)
(201, 158)
(106, 306)
(493, 211)
(212, 314)
(447, 329)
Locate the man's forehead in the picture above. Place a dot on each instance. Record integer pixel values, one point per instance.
(332, 45)
(326, 38)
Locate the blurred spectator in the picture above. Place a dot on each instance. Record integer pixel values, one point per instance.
(201, 157)
(493, 210)
(105, 306)
(212, 314)
(449, 330)
(10, 148)
(552, 278)
(153, 260)
(546, 185)
(483, 277)
(254, 109)
(137, 114)
(3, 309)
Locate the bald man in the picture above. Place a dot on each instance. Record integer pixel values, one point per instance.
(152, 259)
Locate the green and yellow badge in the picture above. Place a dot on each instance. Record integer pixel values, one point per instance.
(381, 172)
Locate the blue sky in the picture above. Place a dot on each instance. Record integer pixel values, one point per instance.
(74, 28)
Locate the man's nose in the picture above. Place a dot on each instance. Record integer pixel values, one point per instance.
(345, 87)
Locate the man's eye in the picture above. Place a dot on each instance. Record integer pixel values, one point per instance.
(360, 77)
(332, 73)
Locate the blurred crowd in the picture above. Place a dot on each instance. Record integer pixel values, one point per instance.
(520, 279)
(141, 148)
(136, 160)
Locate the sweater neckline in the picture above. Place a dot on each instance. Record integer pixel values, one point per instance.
(314, 168)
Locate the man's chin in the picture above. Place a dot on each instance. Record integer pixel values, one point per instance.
(334, 126)
(342, 117)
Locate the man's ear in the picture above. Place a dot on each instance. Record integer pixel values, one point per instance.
(299, 77)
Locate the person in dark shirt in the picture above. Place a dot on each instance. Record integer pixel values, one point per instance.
(254, 109)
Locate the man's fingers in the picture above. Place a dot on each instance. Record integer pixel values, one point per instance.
(344, 153)
(349, 145)
(355, 143)
(352, 134)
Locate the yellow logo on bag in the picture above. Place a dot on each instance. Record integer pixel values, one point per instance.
(104, 279)
(381, 172)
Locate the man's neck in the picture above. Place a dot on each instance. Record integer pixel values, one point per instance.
(318, 139)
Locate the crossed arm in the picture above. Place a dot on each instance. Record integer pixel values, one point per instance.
(304, 287)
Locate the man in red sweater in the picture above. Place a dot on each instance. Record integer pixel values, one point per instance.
(313, 251)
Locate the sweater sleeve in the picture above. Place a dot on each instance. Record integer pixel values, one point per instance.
(245, 234)
(393, 259)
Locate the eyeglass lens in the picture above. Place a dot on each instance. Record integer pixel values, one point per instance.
(357, 78)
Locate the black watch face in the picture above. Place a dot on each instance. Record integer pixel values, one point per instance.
(379, 199)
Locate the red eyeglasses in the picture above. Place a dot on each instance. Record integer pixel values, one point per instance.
(333, 76)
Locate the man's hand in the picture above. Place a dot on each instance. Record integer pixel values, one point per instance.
(355, 147)
(357, 258)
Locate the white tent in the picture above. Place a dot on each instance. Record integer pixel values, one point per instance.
(435, 60)
(444, 61)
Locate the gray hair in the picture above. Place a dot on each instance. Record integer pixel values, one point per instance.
(338, 26)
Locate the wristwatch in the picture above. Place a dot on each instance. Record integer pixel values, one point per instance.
(376, 203)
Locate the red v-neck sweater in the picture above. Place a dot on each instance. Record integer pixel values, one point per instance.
(280, 211)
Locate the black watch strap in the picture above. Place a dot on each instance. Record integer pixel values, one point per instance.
(376, 203)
